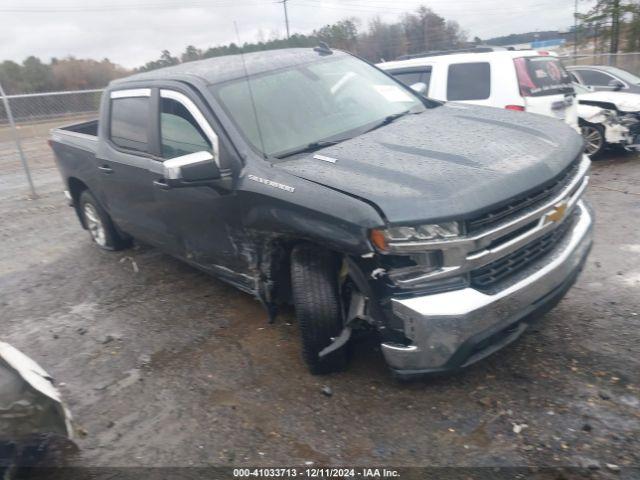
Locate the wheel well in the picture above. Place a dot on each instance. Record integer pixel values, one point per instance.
(76, 187)
(275, 264)
(584, 123)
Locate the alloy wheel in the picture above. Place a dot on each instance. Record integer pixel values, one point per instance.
(593, 139)
(94, 224)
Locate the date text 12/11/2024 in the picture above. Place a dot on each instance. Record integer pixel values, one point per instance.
(309, 472)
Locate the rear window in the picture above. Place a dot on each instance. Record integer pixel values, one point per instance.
(539, 76)
(469, 81)
(129, 120)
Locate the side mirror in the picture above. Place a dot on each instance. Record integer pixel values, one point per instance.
(616, 85)
(191, 169)
(419, 87)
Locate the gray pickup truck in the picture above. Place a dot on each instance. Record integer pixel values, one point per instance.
(309, 177)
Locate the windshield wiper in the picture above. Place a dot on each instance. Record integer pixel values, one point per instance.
(313, 146)
(310, 147)
(389, 119)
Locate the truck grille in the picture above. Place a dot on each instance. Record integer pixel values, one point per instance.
(515, 206)
(486, 277)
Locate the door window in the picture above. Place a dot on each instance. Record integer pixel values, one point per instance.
(413, 77)
(129, 121)
(409, 78)
(593, 77)
(469, 81)
(180, 133)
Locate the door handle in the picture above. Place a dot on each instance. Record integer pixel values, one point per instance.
(161, 184)
(105, 169)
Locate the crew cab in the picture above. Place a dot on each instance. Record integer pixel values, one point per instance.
(310, 177)
(521, 80)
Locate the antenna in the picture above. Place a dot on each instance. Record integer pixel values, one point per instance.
(253, 102)
(323, 49)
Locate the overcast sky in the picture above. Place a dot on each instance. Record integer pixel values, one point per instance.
(133, 32)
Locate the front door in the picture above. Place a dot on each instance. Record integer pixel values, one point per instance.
(198, 220)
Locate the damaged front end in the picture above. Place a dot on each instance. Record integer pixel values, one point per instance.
(620, 128)
(449, 294)
(631, 121)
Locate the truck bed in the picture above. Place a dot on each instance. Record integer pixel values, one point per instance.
(85, 128)
(75, 147)
(81, 135)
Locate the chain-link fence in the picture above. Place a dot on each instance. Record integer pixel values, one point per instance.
(25, 121)
(42, 107)
(625, 61)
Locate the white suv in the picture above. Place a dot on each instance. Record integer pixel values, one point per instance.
(525, 80)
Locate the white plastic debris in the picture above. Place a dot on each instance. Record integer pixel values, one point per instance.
(518, 427)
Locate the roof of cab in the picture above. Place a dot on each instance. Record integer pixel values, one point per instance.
(460, 58)
(229, 67)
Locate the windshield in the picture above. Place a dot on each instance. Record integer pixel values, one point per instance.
(624, 75)
(538, 76)
(333, 98)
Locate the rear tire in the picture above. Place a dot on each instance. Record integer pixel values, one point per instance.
(99, 224)
(594, 138)
(316, 298)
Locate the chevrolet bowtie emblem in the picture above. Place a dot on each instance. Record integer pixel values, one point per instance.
(557, 214)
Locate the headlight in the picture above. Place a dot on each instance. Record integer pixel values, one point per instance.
(395, 238)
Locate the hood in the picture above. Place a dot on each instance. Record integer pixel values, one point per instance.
(625, 102)
(449, 162)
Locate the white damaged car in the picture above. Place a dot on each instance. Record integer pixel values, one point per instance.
(608, 118)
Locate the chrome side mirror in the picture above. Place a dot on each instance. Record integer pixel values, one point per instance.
(194, 167)
(419, 87)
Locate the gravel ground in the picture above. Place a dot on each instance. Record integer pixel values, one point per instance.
(163, 365)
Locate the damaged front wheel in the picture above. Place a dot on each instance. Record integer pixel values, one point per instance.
(316, 298)
(593, 138)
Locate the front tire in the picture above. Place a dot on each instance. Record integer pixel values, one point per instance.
(594, 138)
(316, 299)
(100, 226)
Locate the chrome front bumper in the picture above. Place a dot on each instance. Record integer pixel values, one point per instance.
(454, 329)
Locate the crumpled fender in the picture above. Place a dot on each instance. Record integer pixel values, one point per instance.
(592, 114)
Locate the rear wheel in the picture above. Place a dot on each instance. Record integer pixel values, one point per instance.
(593, 137)
(316, 298)
(99, 224)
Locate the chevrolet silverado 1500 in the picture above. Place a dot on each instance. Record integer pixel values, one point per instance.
(310, 177)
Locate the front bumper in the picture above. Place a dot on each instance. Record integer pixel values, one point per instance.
(454, 329)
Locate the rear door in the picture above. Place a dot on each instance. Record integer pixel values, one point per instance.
(123, 164)
(546, 88)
